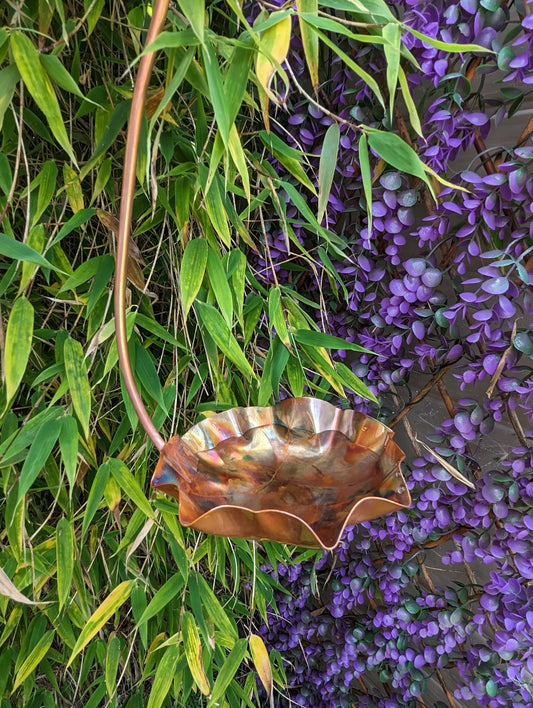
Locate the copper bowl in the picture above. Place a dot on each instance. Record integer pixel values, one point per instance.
(297, 472)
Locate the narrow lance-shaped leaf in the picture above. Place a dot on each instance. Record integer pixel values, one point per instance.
(326, 168)
(130, 486)
(217, 93)
(78, 381)
(392, 33)
(366, 175)
(18, 341)
(309, 39)
(262, 664)
(214, 324)
(65, 554)
(40, 87)
(219, 283)
(398, 154)
(414, 118)
(109, 606)
(19, 251)
(194, 11)
(164, 676)
(193, 652)
(31, 662)
(321, 339)
(274, 45)
(40, 449)
(192, 272)
(227, 672)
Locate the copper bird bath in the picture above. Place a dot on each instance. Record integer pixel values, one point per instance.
(297, 472)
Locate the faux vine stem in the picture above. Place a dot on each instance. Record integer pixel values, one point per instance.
(159, 12)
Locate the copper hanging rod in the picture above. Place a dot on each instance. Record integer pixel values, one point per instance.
(159, 13)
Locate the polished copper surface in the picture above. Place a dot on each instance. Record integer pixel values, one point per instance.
(298, 472)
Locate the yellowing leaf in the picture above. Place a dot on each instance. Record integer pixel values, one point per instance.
(309, 38)
(273, 51)
(109, 606)
(193, 652)
(262, 664)
(34, 657)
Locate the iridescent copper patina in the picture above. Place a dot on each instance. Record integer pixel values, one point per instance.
(298, 472)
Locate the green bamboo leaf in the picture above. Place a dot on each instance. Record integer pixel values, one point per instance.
(262, 663)
(147, 374)
(86, 271)
(6, 176)
(295, 376)
(398, 154)
(280, 357)
(33, 659)
(354, 383)
(326, 168)
(112, 659)
(68, 444)
(10, 248)
(321, 339)
(95, 496)
(366, 175)
(162, 598)
(309, 38)
(9, 78)
(164, 676)
(214, 609)
(39, 86)
(40, 449)
(216, 92)
(392, 33)
(20, 439)
(219, 283)
(237, 75)
(57, 72)
(113, 127)
(239, 159)
(172, 40)
(288, 157)
(215, 207)
(214, 324)
(18, 342)
(35, 240)
(237, 270)
(194, 11)
(46, 179)
(227, 672)
(193, 653)
(192, 272)
(277, 317)
(367, 78)
(65, 555)
(414, 118)
(450, 47)
(109, 606)
(78, 382)
(130, 486)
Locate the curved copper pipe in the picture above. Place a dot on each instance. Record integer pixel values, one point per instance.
(126, 207)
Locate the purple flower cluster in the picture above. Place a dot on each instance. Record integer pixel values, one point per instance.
(430, 285)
